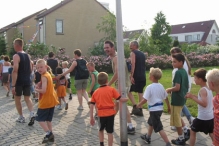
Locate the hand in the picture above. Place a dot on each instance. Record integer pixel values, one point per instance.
(188, 95)
(169, 110)
(13, 91)
(132, 80)
(123, 99)
(92, 121)
(168, 90)
(58, 77)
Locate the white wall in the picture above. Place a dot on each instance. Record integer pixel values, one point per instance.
(211, 39)
(181, 36)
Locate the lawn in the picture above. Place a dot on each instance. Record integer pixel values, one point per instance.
(166, 81)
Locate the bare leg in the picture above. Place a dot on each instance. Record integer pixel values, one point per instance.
(110, 139)
(80, 99)
(63, 99)
(212, 136)
(164, 136)
(44, 125)
(131, 97)
(183, 123)
(5, 85)
(140, 97)
(192, 138)
(179, 130)
(60, 102)
(49, 125)
(29, 103)
(85, 94)
(18, 105)
(150, 130)
(101, 136)
(128, 116)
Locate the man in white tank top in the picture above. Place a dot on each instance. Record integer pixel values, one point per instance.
(205, 107)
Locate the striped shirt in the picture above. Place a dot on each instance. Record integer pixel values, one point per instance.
(216, 120)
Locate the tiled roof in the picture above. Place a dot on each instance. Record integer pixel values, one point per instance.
(132, 33)
(203, 26)
(3, 29)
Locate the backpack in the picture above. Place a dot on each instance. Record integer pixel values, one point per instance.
(82, 70)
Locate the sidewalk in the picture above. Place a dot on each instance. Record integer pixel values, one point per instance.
(72, 127)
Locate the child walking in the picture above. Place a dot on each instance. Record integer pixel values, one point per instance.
(154, 94)
(68, 78)
(47, 101)
(61, 85)
(205, 120)
(103, 99)
(178, 92)
(212, 77)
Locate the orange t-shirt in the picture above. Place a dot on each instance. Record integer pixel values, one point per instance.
(216, 120)
(49, 98)
(104, 98)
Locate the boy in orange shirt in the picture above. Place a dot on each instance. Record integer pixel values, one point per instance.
(212, 77)
(47, 101)
(103, 98)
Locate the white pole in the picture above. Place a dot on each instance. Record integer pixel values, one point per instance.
(121, 74)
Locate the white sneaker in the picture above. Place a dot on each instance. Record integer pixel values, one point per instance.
(172, 127)
(20, 120)
(191, 120)
(80, 108)
(59, 107)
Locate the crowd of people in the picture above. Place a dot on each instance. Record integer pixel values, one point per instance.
(49, 80)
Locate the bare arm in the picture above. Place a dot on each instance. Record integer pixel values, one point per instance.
(115, 75)
(132, 56)
(71, 68)
(44, 85)
(16, 60)
(203, 94)
(168, 104)
(92, 82)
(92, 122)
(143, 101)
(173, 89)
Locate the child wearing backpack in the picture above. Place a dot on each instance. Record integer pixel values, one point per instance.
(68, 78)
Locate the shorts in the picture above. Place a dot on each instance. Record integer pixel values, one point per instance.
(106, 123)
(154, 120)
(61, 91)
(197, 126)
(69, 83)
(45, 114)
(175, 116)
(4, 77)
(81, 84)
(22, 90)
(138, 86)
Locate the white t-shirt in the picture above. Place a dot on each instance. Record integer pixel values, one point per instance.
(185, 66)
(206, 113)
(155, 94)
(67, 76)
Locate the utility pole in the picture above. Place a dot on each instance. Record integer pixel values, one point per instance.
(121, 74)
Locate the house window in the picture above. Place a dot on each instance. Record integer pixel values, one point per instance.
(198, 36)
(188, 38)
(175, 37)
(59, 26)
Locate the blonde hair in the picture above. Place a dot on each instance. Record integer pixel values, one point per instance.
(65, 63)
(156, 73)
(102, 78)
(41, 61)
(213, 76)
(19, 42)
(91, 64)
(49, 70)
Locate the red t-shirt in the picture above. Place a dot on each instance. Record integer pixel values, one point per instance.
(216, 120)
(104, 98)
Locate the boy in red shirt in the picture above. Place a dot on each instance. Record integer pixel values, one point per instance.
(212, 77)
(104, 98)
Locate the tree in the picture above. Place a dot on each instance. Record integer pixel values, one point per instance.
(3, 46)
(176, 43)
(160, 34)
(11, 51)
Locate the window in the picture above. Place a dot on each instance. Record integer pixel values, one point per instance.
(59, 26)
(188, 38)
(198, 36)
(175, 37)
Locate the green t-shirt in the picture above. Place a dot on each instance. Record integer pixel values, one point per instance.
(181, 77)
(96, 85)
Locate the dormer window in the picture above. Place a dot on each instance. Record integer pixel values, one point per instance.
(183, 26)
(202, 24)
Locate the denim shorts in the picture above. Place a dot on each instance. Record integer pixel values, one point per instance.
(45, 114)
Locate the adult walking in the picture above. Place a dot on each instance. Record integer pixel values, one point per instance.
(138, 77)
(52, 62)
(21, 80)
(5, 66)
(81, 77)
(110, 50)
(1, 62)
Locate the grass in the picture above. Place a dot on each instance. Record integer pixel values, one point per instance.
(166, 81)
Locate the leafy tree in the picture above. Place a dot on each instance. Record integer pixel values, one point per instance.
(11, 51)
(38, 50)
(175, 43)
(160, 34)
(3, 46)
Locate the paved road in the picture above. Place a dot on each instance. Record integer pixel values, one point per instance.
(72, 128)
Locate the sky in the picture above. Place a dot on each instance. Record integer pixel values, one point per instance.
(136, 14)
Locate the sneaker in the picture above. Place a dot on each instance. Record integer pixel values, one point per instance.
(66, 106)
(131, 130)
(48, 138)
(32, 119)
(7, 94)
(178, 141)
(80, 108)
(70, 97)
(20, 120)
(172, 127)
(191, 120)
(187, 135)
(146, 139)
(59, 107)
